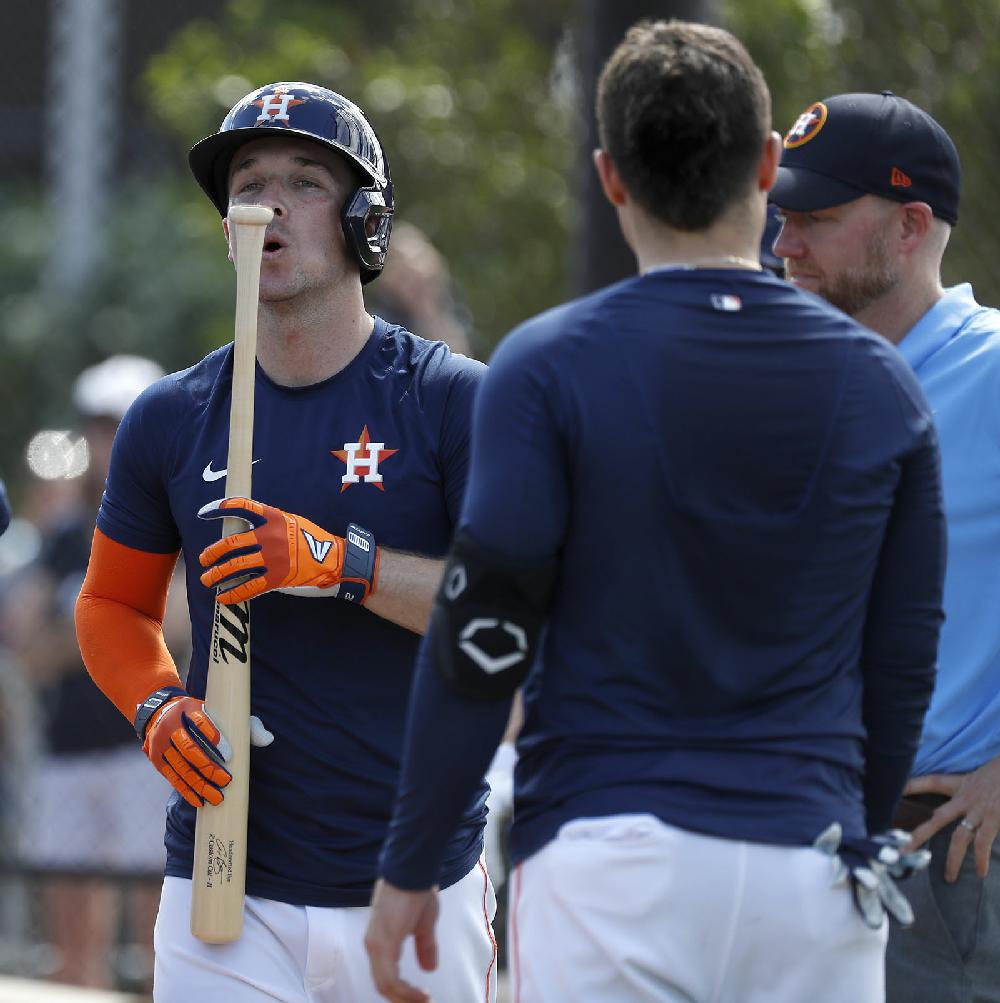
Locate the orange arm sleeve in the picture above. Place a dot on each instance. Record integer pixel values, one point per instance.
(119, 622)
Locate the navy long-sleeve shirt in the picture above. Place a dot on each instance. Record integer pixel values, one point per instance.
(742, 488)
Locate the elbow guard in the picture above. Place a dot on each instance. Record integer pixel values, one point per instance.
(486, 620)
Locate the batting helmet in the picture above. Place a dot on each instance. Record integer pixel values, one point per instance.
(323, 116)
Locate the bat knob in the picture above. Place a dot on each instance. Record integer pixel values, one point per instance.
(250, 215)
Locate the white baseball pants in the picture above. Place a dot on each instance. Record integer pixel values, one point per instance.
(303, 954)
(626, 909)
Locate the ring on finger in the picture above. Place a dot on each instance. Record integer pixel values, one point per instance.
(966, 824)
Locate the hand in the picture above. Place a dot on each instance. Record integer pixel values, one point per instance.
(975, 797)
(184, 744)
(286, 552)
(873, 865)
(393, 916)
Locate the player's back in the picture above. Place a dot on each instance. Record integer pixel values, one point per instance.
(740, 463)
(721, 455)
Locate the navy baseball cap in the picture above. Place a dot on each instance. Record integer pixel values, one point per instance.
(851, 145)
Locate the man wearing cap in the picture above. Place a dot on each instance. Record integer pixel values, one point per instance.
(869, 191)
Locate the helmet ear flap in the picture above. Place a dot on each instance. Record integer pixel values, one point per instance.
(367, 224)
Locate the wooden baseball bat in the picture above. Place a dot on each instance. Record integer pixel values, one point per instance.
(220, 838)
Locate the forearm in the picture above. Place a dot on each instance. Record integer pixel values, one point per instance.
(124, 651)
(119, 623)
(899, 656)
(449, 743)
(405, 589)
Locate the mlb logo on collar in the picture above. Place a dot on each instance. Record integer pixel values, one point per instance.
(363, 456)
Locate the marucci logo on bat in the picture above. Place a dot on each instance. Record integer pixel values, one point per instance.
(238, 628)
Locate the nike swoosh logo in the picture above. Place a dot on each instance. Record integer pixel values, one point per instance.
(208, 474)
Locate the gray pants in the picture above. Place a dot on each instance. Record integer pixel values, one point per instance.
(951, 954)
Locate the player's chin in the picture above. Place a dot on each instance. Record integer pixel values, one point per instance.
(276, 288)
(810, 282)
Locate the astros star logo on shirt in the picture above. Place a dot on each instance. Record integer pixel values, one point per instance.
(363, 455)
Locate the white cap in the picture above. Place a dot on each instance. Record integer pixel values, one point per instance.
(108, 388)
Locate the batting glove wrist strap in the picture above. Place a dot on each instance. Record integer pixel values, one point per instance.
(152, 703)
(873, 865)
(360, 565)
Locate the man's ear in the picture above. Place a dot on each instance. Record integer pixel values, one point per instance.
(611, 182)
(770, 158)
(916, 220)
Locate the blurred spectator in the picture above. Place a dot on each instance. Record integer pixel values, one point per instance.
(4, 509)
(78, 819)
(415, 290)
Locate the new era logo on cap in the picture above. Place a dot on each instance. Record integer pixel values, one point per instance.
(850, 145)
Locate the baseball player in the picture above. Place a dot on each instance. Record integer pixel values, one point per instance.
(869, 188)
(703, 526)
(360, 430)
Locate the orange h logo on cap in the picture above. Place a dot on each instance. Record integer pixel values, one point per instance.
(899, 179)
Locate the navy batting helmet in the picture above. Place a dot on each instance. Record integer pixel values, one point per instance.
(323, 116)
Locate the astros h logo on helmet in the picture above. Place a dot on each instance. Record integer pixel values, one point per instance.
(807, 125)
(274, 107)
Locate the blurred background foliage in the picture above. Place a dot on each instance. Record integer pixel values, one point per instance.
(479, 107)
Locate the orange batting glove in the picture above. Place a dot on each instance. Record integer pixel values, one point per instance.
(184, 744)
(286, 552)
